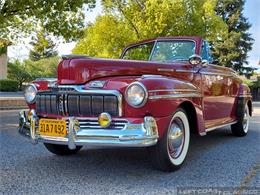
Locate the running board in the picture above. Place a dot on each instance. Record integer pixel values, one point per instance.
(220, 126)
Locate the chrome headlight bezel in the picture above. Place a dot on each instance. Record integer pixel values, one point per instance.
(30, 96)
(144, 92)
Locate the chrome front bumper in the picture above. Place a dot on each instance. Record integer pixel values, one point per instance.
(132, 135)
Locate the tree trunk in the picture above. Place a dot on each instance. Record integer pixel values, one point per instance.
(3, 66)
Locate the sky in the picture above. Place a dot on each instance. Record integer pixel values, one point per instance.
(251, 11)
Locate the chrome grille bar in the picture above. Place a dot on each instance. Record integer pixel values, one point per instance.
(92, 123)
(76, 102)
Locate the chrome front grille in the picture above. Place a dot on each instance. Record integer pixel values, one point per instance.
(92, 123)
(80, 104)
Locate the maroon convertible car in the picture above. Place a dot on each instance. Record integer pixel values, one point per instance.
(155, 96)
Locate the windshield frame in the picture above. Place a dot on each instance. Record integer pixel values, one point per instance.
(154, 45)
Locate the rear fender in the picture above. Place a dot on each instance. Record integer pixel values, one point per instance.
(244, 98)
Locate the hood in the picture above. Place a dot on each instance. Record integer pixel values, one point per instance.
(82, 70)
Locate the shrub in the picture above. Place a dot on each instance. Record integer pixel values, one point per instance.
(8, 85)
(255, 84)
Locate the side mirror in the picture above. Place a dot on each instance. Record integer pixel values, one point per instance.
(195, 60)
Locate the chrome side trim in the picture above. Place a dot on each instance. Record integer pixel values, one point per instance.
(176, 70)
(172, 90)
(220, 126)
(79, 88)
(186, 71)
(165, 69)
(169, 96)
(216, 74)
(144, 76)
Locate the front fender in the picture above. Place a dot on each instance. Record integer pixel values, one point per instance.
(164, 96)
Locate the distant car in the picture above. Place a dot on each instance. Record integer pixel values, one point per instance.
(159, 92)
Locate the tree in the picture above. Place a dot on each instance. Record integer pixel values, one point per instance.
(43, 47)
(19, 72)
(28, 70)
(46, 67)
(61, 17)
(233, 50)
(105, 38)
(132, 20)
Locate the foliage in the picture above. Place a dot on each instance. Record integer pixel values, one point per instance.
(105, 38)
(43, 68)
(252, 84)
(247, 82)
(29, 70)
(3, 50)
(8, 85)
(61, 17)
(129, 21)
(43, 47)
(232, 51)
(19, 72)
(255, 84)
(3, 46)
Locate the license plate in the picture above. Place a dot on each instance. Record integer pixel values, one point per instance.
(52, 127)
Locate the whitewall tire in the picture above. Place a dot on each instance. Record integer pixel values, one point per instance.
(240, 128)
(170, 152)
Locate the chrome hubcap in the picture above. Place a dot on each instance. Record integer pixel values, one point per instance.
(176, 138)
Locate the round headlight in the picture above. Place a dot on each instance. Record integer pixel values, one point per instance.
(30, 93)
(136, 94)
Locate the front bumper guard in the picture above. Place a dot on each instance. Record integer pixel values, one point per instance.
(132, 135)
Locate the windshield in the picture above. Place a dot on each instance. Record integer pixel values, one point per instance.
(140, 52)
(175, 50)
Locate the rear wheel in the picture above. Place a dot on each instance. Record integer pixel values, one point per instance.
(240, 128)
(170, 152)
(61, 149)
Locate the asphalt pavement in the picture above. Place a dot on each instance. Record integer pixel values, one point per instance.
(216, 160)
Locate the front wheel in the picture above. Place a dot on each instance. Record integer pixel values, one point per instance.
(61, 149)
(240, 128)
(170, 152)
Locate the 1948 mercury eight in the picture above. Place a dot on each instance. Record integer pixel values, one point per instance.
(159, 92)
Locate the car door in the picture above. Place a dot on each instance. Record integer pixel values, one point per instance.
(217, 97)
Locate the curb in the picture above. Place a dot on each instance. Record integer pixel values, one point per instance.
(11, 103)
